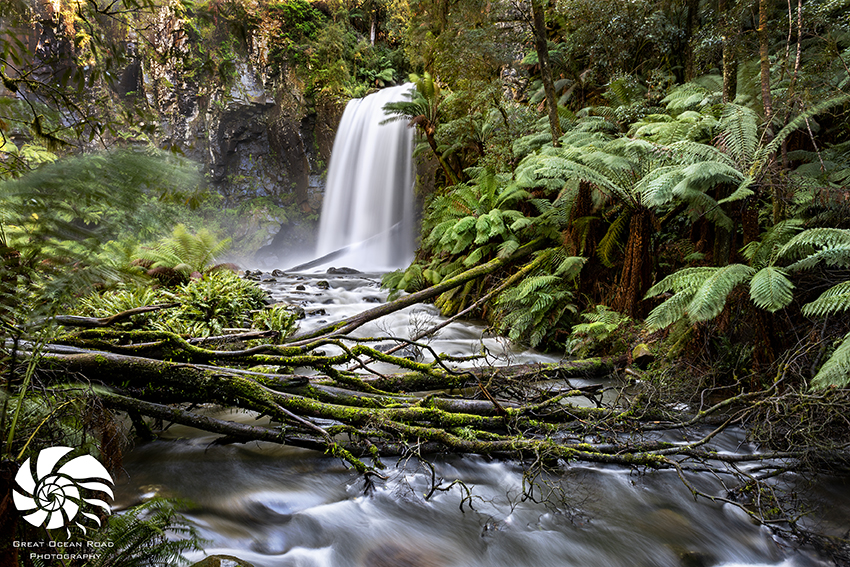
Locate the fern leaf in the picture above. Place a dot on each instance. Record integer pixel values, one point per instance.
(670, 311)
(833, 256)
(836, 298)
(836, 370)
(612, 238)
(821, 237)
(710, 299)
(770, 289)
(739, 132)
(764, 251)
(570, 267)
(687, 279)
(507, 248)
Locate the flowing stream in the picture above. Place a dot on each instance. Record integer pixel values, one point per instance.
(280, 506)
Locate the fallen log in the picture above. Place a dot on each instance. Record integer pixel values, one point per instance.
(99, 322)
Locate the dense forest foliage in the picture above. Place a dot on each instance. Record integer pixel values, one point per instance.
(664, 180)
(687, 177)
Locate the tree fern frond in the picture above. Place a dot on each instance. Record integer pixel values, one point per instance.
(613, 237)
(836, 370)
(796, 123)
(673, 309)
(764, 251)
(535, 284)
(703, 203)
(682, 280)
(821, 237)
(834, 256)
(507, 248)
(836, 298)
(688, 152)
(570, 267)
(739, 132)
(771, 289)
(482, 228)
(710, 298)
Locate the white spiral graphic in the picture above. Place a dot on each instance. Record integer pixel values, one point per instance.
(54, 497)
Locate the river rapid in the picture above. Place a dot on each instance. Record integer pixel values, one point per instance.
(279, 506)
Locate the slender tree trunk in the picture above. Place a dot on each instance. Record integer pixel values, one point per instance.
(764, 60)
(690, 25)
(542, 48)
(730, 57)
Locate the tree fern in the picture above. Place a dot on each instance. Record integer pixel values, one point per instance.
(766, 250)
(613, 238)
(830, 246)
(770, 289)
(833, 300)
(739, 136)
(836, 370)
(542, 301)
(700, 293)
(147, 535)
(185, 251)
(710, 298)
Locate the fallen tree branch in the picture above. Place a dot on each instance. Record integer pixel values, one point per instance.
(96, 322)
(346, 326)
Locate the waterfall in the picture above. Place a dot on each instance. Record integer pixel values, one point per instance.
(368, 203)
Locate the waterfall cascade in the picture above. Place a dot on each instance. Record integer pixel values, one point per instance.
(368, 204)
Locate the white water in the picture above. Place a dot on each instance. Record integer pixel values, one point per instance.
(368, 203)
(279, 506)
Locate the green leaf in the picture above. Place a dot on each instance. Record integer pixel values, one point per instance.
(836, 298)
(770, 289)
(710, 298)
(836, 370)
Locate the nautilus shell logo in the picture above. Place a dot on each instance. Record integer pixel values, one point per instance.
(53, 497)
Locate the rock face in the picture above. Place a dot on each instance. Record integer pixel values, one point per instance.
(255, 131)
(214, 95)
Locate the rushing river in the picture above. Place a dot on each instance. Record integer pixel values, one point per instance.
(279, 506)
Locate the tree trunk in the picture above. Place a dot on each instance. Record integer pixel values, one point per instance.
(451, 176)
(637, 266)
(690, 25)
(730, 56)
(541, 45)
(764, 61)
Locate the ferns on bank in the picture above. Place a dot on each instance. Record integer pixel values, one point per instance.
(146, 535)
(184, 251)
(541, 303)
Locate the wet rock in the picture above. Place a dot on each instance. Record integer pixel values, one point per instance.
(396, 555)
(278, 273)
(642, 355)
(323, 284)
(372, 299)
(318, 313)
(343, 271)
(300, 287)
(222, 561)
